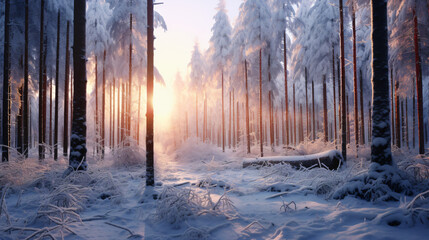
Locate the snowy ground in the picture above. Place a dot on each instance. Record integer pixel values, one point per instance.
(204, 194)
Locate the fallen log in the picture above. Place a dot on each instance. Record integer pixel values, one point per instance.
(331, 160)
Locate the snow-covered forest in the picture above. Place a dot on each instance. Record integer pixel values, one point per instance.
(296, 120)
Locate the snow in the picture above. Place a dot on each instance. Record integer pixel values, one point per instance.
(203, 194)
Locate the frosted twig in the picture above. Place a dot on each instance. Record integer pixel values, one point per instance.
(253, 223)
(420, 195)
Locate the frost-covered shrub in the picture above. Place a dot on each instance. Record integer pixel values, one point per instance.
(175, 205)
(408, 214)
(128, 156)
(380, 183)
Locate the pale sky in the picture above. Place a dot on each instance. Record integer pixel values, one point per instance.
(187, 21)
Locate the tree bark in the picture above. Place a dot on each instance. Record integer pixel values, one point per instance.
(362, 116)
(150, 175)
(397, 120)
(41, 124)
(247, 109)
(414, 118)
(314, 114)
(306, 102)
(78, 150)
(130, 84)
(343, 86)
(356, 109)
(392, 100)
(418, 83)
(25, 93)
(57, 89)
(295, 139)
(286, 89)
(103, 108)
(325, 110)
(380, 146)
(260, 102)
(66, 95)
(6, 84)
(223, 116)
(334, 93)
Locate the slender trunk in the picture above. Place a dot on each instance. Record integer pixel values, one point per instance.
(57, 71)
(402, 123)
(111, 129)
(334, 93)
(230, 129)
(283, 126)
(97, 127)
(138, 117)
(294, 117)
(122, 112)
(343, 86)
(362, 117)
(392, 107)
(118, 131)
(306, 101)
(6, 84)
(150, 175)
(348, 120)
(314, 115)
(45, 92)
(66, 95)
(130, 75)
(260, 101)
(325, 110)
(380, 147)
(238, 124)
(233, 120)
(50, 115)
(247, 109)
(418, 83)
(356, 111)
(103, 108)
(19, 134)
(414, 118)
(406, 123)
(41, 125)
(397, 121)
(114, 112)
(223, 116)
(78, 137)
(286, 89)
(25, 93)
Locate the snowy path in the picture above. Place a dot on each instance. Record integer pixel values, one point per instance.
(117, 198)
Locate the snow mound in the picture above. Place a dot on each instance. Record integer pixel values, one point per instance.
(129, 156)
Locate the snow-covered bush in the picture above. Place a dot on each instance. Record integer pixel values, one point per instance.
(129, 156)
(175, 205)
(380, 183)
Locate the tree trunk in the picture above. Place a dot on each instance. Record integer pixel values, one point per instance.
(306, 102)
(286, 89)
(50, 115)
(19, 135)
(130, 84)
(260, 102)
(238, 134)
(41, 125)
(45, 92)
(233, 120)
(343, 86)
(414, 118)
(6, 84)
(295, 139)
(356, 111)
(418, 83)
(114, 112)
(78, 137)
(392, 100)
(103, 108)
(230, 123)
(402, 123)
(380, 146)
(223, 116)
(334, 93)
(66, 96)
(247, 109)
(325, 110)
(57, 89)
(138, 116)
(118, 131)
(406, 123)
(314, 114)
(348, 119)
(362, 117)
(25, 93)
(150, 176)
(397, 120)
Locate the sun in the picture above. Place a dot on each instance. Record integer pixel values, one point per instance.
(163, 101)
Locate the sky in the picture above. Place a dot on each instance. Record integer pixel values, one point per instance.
(187, 21)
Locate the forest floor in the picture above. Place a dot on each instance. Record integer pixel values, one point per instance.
(203, 194)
